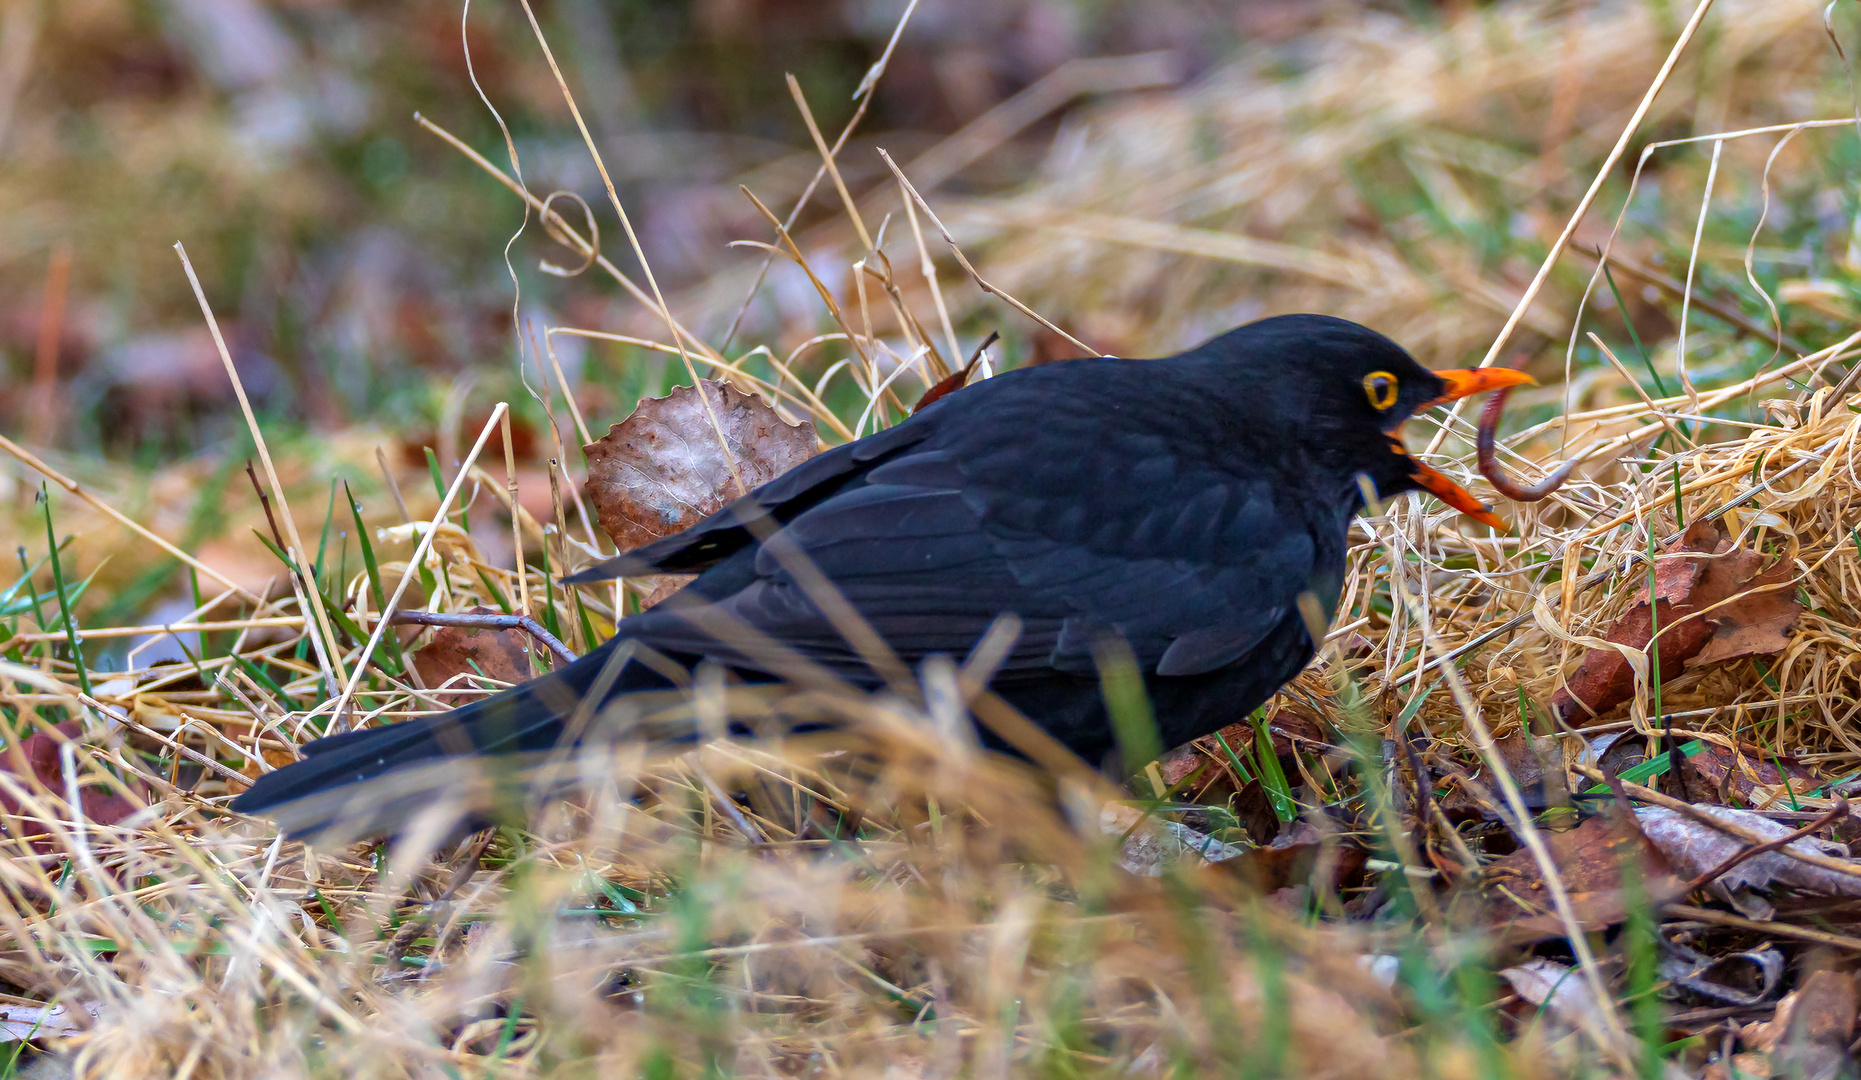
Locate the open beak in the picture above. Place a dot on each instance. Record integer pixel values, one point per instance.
(1465, 382)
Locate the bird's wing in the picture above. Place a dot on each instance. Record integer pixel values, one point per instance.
(1191, 567)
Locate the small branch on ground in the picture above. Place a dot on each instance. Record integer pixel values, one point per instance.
(489, 622)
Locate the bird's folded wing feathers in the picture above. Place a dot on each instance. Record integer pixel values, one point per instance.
(930, 549)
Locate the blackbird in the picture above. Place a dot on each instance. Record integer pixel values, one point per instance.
(1182, 506)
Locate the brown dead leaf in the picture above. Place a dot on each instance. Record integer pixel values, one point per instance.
(1294, 856)
(1589, 859)
(664, 585)
(1740, 608)
(1535, 763)
(503, 655)
(36, 761)
(1822, 1010)
(663, 470)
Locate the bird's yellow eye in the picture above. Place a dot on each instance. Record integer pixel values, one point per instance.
(1380, 387)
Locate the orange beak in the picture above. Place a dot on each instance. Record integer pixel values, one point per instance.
(1455, 496)
(1465, 382)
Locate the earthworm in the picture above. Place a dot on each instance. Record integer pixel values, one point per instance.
(1485, 445)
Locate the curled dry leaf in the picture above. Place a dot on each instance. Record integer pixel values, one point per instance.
(1808, 1037)
(663, 469)
(1739, 606)
(36, 761)
(1694, 848)
(503, 655)
(1740, 978)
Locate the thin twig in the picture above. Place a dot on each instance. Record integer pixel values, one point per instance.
(659, 304)
(492, 621)
(1771, 929)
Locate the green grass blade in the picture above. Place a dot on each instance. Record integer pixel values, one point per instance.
(1272, 775)
(58, 584)
(1241, 772)
(1132, 720)
(1640, 349)
(373, 569)
(497, 594)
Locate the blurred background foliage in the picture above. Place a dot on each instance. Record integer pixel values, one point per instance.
(354, 257)
(1403, 163)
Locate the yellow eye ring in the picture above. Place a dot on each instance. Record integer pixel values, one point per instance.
(1380, 388)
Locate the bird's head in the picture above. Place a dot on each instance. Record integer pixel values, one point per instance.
(1350, 389)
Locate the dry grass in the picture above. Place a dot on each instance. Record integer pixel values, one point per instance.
(902, 905)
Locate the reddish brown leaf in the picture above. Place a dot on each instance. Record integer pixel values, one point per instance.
(956, 380)
(663, 469)
(500, 654)
(1294, 856)
(1589, 859)
(36, 761)
(1758, 622)
(1739, 609)
(1752, 768)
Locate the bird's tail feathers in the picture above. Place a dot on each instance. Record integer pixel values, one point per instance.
(376, 780)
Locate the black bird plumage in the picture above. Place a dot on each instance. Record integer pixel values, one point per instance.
(1182, 505)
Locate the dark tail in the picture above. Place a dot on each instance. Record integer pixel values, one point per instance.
(373, 781)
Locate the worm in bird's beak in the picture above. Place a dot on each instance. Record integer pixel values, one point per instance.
(1465, 382)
